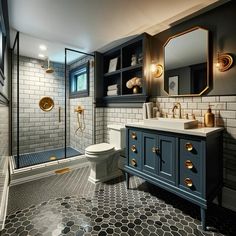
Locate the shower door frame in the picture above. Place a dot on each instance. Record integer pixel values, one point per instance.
(65, 74)
(17, 44)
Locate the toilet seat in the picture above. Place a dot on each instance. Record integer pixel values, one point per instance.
(99, 149)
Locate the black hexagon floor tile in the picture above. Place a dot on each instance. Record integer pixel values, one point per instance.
(113, 210)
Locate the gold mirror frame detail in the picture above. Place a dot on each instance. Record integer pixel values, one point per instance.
(175, 36)
(46, 103)
(226, 61)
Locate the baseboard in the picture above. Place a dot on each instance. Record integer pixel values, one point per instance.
(228, 198)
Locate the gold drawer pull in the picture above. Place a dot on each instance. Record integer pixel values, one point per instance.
(189, 147)
(188, 164)
(133, 135)
(133, 148)
(133, 162)
(188, 182)
(155, 150)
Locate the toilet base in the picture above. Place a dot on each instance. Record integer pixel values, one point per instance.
(105, 178)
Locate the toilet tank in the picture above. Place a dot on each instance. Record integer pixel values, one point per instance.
(117, 136)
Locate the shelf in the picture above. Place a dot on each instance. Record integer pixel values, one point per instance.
(112, 73)
(138, 66)
(138, 48)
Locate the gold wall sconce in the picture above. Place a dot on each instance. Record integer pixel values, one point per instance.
(156, 70)
(224, 62)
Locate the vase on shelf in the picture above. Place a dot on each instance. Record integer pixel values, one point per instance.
(136, 89)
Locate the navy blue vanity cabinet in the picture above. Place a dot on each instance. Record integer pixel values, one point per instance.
(189, 166)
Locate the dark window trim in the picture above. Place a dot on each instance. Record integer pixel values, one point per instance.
(72, 73)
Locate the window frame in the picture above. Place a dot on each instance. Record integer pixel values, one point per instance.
(73, 77)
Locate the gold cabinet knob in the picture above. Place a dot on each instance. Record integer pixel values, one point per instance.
(188, 164)
(133, 148)
(133, 162)
(189, 147)
(155, 150)
(188, 182)
(133, 135)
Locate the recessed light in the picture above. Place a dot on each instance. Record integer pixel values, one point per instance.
(41, 55)
(42, 47)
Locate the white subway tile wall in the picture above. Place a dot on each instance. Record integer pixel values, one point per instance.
(4, 131)
(38, 130)
(224, 108)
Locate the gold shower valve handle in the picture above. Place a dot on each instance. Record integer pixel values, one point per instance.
(133, 162)
(133, 148)
(79, 109)
(133, 135)
(188, 182)
(189, 147)
(188, 164)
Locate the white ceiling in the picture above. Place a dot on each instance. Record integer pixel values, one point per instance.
(89, 25)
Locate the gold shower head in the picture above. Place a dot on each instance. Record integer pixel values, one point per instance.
(49, 69)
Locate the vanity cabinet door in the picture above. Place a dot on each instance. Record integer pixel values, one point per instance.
(167, 157)
(150, 154)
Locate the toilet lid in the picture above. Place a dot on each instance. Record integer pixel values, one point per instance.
(99, 148)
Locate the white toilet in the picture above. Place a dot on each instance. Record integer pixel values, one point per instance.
(104, 157)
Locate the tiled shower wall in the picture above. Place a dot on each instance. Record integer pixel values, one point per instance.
(4, 132)
(39, 130)
(224, 108)
(80, 140)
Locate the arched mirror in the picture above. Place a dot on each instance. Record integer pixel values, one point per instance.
(186, 63)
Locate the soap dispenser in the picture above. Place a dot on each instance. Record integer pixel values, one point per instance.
(209, 118)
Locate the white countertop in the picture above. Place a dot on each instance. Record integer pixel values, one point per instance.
(201, 131)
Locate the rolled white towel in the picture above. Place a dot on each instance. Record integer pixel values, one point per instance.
(149, 106)
(112, 87)
(144, 111)
(112, 92)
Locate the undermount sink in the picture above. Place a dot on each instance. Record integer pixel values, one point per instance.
(172, 123)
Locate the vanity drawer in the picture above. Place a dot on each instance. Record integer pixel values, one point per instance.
(190, 148)
(134, 148)
(190, 171)
(135, 136)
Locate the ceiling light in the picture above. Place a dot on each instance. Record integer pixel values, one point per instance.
(41, 55)
(42, 47)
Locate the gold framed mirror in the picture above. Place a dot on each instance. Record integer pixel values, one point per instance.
(186, 63)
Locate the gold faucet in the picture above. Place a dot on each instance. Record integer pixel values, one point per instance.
(177, 105)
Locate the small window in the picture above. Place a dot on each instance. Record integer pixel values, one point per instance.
(79, 81)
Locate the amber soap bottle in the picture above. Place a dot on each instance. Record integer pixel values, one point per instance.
(209, 118)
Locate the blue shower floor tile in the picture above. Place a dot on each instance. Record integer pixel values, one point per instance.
(43, 157)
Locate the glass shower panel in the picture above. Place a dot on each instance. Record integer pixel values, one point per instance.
(41, 113)
(80, 101)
